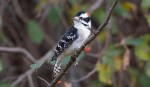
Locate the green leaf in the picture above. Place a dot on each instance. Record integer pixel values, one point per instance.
(108, 60)
(114, 25)
(120, 10)
(3, 37)
(134, 73)
(142, 49)
(147, 68)
(111, 57)
(104, 73)
(96, 83)
(53, 17)
(99, 15)
(34, 31)
(0, 22)
(143, 52)
(134, 41)
(148, 18)
(145, 5)
(40, 5)
(113, 51)
(102, 37)
(129, 6)
(85, 6)
(145, 38)
(4, 85)
(144, 81)
(73, 2)
(1, 66)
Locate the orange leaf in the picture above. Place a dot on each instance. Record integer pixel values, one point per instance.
(67, 84)
(59, 82)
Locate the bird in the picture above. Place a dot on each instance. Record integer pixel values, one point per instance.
(72, 39)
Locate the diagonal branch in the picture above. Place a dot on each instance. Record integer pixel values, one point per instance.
(99, 55)
(92, 37)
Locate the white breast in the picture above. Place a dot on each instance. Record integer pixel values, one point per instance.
(83, 35)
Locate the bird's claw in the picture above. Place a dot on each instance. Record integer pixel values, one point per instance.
(76, 62)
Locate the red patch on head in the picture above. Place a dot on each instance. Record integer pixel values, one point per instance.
(88, 14)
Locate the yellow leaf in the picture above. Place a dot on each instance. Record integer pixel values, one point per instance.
(75, 8)
(118, 62)
(129, 6)
(40, 5)
(148, 18)
(102, 37)
(104, 73)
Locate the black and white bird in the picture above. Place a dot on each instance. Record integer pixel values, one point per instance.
(72, 40)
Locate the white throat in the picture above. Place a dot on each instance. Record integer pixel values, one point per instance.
(79, 25)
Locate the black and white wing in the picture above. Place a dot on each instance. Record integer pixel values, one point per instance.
(68, 38)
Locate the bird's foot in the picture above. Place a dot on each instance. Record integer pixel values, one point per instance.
(76, 62)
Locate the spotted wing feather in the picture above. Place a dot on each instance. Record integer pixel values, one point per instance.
(68, 38)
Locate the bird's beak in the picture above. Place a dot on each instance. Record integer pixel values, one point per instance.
(75, 18)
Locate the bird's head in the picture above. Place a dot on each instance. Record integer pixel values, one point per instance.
(82, 19)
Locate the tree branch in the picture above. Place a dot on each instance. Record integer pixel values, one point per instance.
(18, 50)
(92, 37)
(86, 76)
(21, 77)
(19, 11)
(99, 56)
(30, 71)
(96, 5)
(30, 80)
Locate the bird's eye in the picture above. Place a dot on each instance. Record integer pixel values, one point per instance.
(80, 18)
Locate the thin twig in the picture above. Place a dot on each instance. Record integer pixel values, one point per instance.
(19, 11)
(18, 50)
(92, 37)
(20, 78)
(30, 71)
(6, 79)
(62, 18)
(39, 77)
(30, 80)
(95, 6)
(126, 57)
(43, 14)
(86, 76)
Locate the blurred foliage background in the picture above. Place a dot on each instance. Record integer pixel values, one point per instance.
(119, 56)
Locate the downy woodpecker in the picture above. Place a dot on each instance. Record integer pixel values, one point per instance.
(72, 40)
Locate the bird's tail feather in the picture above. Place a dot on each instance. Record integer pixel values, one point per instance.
(57, 68)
